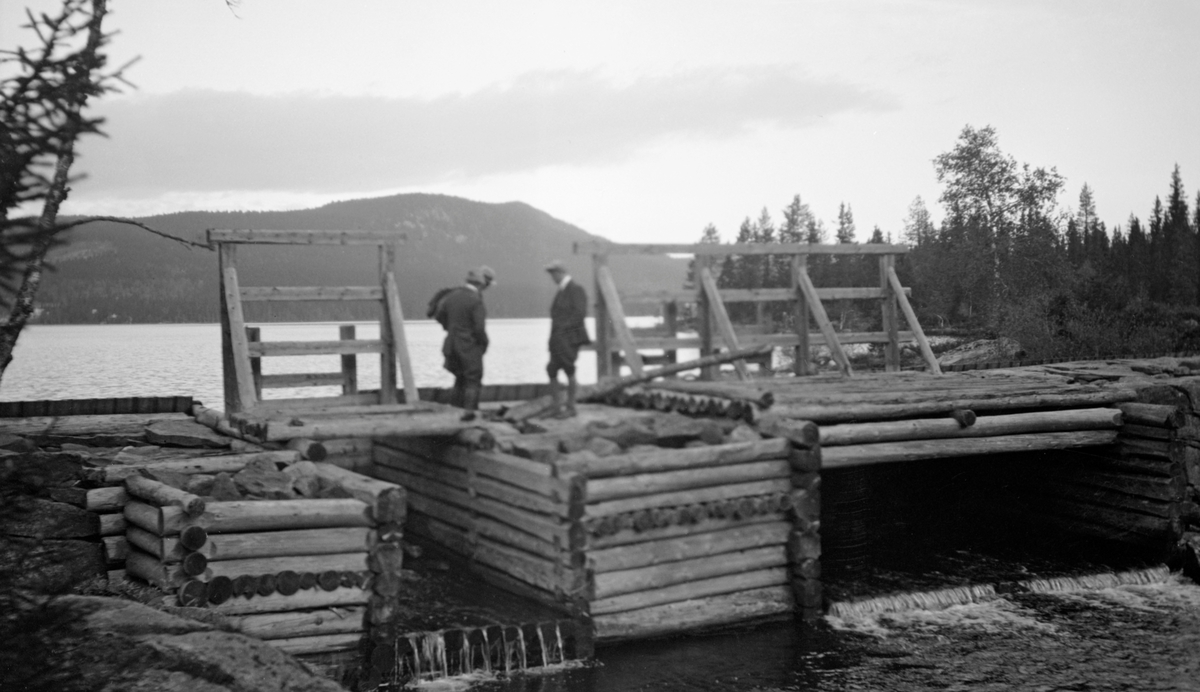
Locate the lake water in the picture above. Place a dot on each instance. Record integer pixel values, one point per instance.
(122, 360)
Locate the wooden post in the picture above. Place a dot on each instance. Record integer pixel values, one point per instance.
(706, 336)
(891, 323)
(387, 362)
(915, 326)
(620, 326)
(396, 319)
(349, 362)
(721, 317)
(818, 312)
(253, 336)
(603, 353)
(238, 378)
(801, 365)
(671, 324)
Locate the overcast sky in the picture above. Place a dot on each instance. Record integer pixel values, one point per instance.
(640, 121)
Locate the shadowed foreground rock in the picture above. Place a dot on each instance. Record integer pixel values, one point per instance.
(123, 645)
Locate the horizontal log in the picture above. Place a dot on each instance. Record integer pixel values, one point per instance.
(913, 450)
(1147, 431)
(641, 579)
(386, 500)
(1109, 498)
(537, 477)
(1164, 449)
(310, 293)
(455, 506)
(603, 247)
(162, 495)
(773, 602)
(1168, 489)
(731, 583)
(529, 409)
(338, 562)
(1155, 415)
(116, 548)
(233, 546)
(421, 424)
(689, 497)
(229, 463)
(341, 597)
(984, 426)
(630, 538)
(112, 524)
(701, 544)
(149, 569)
(319, 644)
(463, 524)
(847, 412)
(263, 349)
(42, 429)
(1121, 521)
(306, 623)
(675, 459)
(763, 398)
(606, 489)
(304, 237)
(241, 516)
(106, 499)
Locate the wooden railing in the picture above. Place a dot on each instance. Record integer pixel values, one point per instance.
(242, 350)
(615, 342)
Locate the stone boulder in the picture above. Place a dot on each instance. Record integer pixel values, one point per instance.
(123, 645)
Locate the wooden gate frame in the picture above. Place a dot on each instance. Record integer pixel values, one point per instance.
(241, 356)
(806, 299)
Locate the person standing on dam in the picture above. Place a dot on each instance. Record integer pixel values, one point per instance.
(463, 315)
(567, 334)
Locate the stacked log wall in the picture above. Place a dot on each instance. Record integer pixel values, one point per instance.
(645, 541)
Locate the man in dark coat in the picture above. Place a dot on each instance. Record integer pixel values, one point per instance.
(463, 315)
(567, 334)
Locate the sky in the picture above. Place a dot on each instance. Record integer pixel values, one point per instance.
(640, 121)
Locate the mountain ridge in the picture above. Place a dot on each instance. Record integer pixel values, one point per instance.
(116, 273)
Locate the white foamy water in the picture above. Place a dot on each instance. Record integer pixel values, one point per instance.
(122, 360)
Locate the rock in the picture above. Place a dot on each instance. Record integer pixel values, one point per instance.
(625, 433)
(171, 478)
(540, 449)
(16, 443)
(602, 447)
(42, 470)
(570, 445)
(184, 433)
(200, 484)
(37, 518)
(697, 443)
(224, 489)
(636, 449)
(260, 482)
(50, 565)
(136, 648)
(675, 430)
(331, 489)
(743, 433)
(983, 351)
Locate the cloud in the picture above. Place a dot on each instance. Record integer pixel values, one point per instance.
(204, 141)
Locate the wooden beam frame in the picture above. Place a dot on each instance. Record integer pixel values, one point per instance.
(809, 294)
(926, 351)
(616, 314)
(721, 317)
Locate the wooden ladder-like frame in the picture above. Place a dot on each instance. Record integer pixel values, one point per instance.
(804, 296)
(241, 356)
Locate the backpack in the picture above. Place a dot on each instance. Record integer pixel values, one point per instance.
(436, 300)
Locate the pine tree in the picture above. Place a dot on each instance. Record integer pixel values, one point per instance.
(845, 229)
(918, 228)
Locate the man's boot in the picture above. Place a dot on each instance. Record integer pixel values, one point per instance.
(556, 394)
(458, 394)
(572, 386)
(471, 397)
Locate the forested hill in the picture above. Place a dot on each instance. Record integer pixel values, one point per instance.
(114, 273)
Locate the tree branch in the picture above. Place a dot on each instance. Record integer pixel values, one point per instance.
(131, 222)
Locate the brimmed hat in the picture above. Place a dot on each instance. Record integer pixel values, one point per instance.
(481, 275)
(556, 266)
